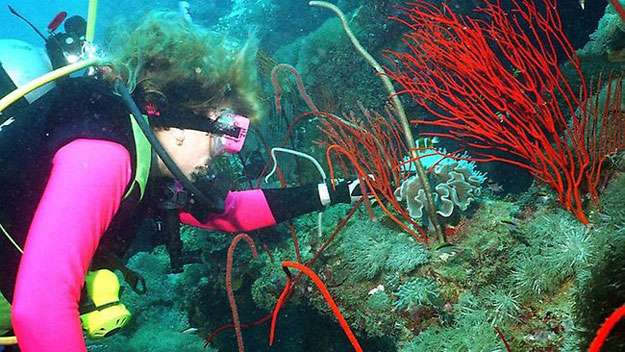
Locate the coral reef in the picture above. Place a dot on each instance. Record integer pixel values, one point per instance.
(325, 56)
(604, 51)
(608, 40)
(470, 332)
(545, 284)
(515, 263)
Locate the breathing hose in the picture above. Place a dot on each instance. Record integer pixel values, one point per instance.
(90, 34)
(158, 148)
(48, 77)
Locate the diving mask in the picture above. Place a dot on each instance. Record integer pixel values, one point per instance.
(229, 128)
(232, 130)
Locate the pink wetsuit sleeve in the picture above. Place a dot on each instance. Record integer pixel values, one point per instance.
(83, 193)
(245, 211)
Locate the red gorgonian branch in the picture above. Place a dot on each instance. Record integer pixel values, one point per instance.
(606, 327)
(300, 86)
(373, 145)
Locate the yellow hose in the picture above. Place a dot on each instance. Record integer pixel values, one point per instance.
(93, 9)
(48, 77)
(8, 340)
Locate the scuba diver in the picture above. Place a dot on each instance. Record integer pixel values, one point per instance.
(85, 162)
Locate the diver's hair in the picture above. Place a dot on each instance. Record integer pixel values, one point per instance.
(166, 60)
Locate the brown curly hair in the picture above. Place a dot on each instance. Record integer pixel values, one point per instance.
(166, 60)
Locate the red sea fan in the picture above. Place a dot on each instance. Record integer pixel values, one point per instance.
(495, 85)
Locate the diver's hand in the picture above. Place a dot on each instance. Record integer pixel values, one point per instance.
(347, 192)
(355, 190)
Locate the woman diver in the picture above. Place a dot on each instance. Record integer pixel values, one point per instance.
(78, 173)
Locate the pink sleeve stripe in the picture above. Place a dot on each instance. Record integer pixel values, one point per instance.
(83, 193)
(245, 211)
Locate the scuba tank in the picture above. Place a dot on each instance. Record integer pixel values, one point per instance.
(22, 62)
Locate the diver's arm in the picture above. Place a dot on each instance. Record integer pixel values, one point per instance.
(244, 211)
(83, 193)
(255, 209)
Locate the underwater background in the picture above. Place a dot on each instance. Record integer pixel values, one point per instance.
(518, 271)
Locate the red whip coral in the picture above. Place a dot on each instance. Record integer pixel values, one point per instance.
(233, 304)
(324, 292)
(605, 329)
(495, 86)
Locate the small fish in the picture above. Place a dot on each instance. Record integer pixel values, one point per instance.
(190, 331)
(446, 248)
(511, 225)
(542, 197)
(582, 3)
(515, 230)
(501, 116)
(494, 186)
(390, 224)
(426, 142)
(445, 251)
